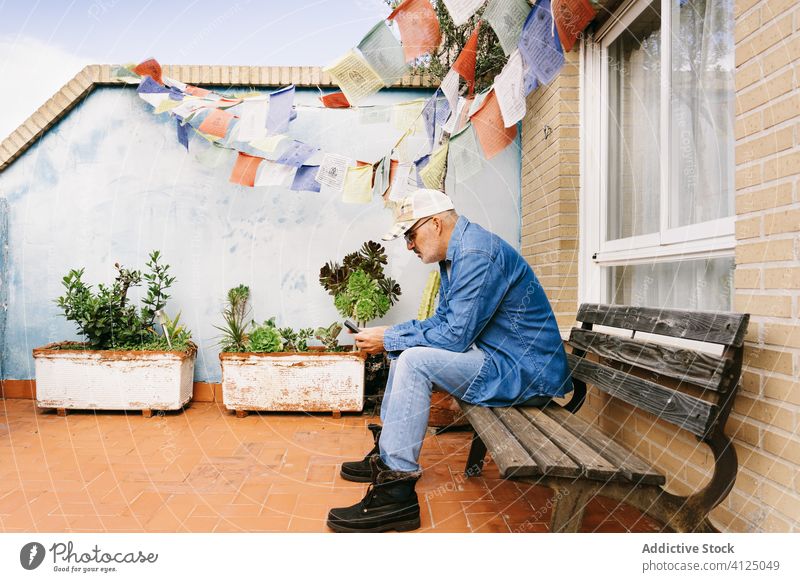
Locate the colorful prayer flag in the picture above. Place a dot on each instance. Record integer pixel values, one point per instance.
(488, 123)
(465, 63)
(335, 100)
(244, 170)
(572, 17)
(358, 185)
(506, 18)
(306, 179)
(419, 28)
(384, 53)
(151, 68)
(355, 77)
(461, 10)
(216, 123)
(539, 44)
(280, 110)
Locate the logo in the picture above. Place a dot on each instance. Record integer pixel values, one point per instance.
(31, 555)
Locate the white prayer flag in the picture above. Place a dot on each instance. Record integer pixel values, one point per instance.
(461, 10)
(509, 86)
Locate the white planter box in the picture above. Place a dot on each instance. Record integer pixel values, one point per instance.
(113, 380)
(293, 381)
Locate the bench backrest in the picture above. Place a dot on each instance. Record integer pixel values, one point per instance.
(632, 369)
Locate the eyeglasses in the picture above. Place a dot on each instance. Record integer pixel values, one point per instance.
(412, 233)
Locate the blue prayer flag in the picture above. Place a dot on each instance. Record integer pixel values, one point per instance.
(306, 179)
(183, 134)
(149, 86)
(539, 44)
(280, 110)
(297, 153)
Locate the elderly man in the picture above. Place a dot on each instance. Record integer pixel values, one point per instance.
(493, 341)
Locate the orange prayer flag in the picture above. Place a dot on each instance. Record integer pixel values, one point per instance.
(572, 17)
(465, 63)
(392, 168)
(244, 171)
(151, 68)
(419, 27)
(335, 100)
(216, 123)
(196, 91)
(492, 133)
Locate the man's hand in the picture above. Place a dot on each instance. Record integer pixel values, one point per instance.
(370, 339)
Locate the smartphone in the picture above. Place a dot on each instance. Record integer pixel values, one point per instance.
(351, 326)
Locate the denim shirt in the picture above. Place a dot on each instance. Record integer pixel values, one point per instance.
(493, 299)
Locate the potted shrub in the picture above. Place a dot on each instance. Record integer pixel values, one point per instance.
(362, 292)
(268, 368)
(125, 362)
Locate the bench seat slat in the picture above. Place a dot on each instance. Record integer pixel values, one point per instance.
(593, 464)
(509, 455)
(630, 465)
(717, 327)
(685, 411)
(550, 458)
(685, 365)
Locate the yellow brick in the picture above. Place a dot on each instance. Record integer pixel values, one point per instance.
(782, 446)
(766, 37)
(770, 9)
(766, 198)
(748, 74)
(746, 26)
(784, 500)
(749, 176)
(780, 222)
(747, 279)
(777, 334)
(751, 383)
(764, 465)
(770, 360)
(742, 6)
(786, 278)
(748, 227)
(767, 145)
(782, 109)
(764, 252)
(787, 391)
(780, 56)
(764, 92)
(782, 165)
(740, 429)
(748, 125)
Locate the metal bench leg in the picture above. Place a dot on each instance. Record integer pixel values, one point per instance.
(475, 459)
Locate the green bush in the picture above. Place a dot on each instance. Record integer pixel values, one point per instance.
(108, 320)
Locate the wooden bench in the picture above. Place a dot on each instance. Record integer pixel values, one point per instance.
(690, 389)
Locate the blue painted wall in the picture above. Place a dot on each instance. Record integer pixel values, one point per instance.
(110, 183)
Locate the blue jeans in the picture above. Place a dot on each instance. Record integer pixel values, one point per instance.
(407, 400)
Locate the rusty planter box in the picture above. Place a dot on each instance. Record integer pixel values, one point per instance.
(313, 381)
(113, 380)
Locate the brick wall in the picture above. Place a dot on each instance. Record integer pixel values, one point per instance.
(550, 180)
(767, 279)
(764, 423)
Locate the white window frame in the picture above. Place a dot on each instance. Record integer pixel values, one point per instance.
(710, 239)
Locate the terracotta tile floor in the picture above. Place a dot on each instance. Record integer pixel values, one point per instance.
(204, 470)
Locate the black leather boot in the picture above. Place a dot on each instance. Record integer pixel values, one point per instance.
(359, 471)
(390, 503)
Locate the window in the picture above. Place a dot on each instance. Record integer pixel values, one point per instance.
(657, 156)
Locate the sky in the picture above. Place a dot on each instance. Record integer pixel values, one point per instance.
(44, 43)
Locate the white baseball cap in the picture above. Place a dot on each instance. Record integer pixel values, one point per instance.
(419, 204)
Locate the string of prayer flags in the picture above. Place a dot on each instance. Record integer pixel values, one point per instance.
(280, 110)
(509, 86)
(166, 105)
(216, 123)
(449, 88)
(253, 119)
(463, 157)
(335, 100)
(572, 17)
(306, 179)
(506, 18)
(274, 174)
(183, 133)
(150, 68)
(296, 154)
(152, 92)
(355, 77)
(332, 171)
(384, 53)
(433, 173)
(358, 185)
(461, 10)
(435, 114)
(465, 63)
(539, 44)
(420, 164)
(493, 136)
(244, 170)
(380, 180)
(419, 27)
